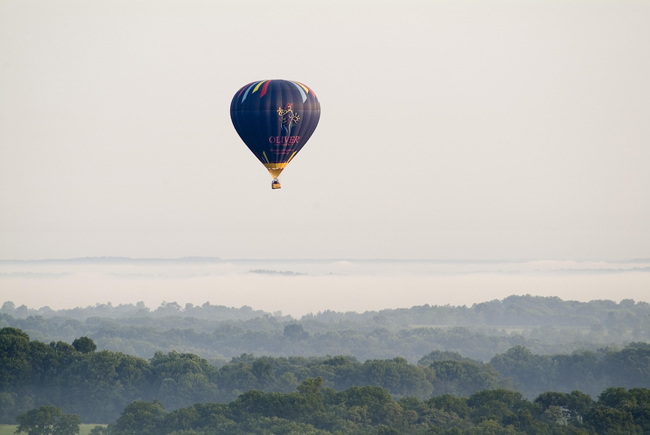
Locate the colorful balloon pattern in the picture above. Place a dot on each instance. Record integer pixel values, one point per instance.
(275, 119)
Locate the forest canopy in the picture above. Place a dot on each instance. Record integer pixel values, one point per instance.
(545, 325)
(97, 385)
(521, 365)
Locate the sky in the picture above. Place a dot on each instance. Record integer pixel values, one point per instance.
(299, 287)
(449, 129)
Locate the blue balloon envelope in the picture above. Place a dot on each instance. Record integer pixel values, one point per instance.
(275, 119)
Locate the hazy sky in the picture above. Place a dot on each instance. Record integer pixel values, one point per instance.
(313, 286)
(449, 129)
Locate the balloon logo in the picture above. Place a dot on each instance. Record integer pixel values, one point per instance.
(275, 119)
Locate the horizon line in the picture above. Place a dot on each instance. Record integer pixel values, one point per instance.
(107, 258)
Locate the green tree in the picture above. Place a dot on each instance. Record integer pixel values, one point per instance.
(286, 383)
(450, 404)
(14, 357)
(141, 418)
(443, 355)
(43, 361)
(84, 345)
(67, 424)
(463, 378)
(48, 420)
(491, 427)
(38, 421)
(295, 332)
(580, 403)
(535, 373)
(263, 371)
(552, 398)
(608, 421)
(65, 353)
(399, 377)
(499, 405)
(181, 419)
(371, 399)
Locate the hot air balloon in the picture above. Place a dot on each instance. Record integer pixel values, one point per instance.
(275, 119)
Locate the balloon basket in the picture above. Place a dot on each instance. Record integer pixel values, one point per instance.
(275, 184)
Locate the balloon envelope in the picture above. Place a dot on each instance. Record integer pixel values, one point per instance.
(275, 119)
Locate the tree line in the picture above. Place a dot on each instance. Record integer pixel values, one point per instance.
(543, 325)
(97, 385)
(314, 409)
(512, 311)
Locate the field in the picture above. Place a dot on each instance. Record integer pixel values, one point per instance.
(9, 429)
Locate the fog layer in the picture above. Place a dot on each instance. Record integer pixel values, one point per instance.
(300, 287)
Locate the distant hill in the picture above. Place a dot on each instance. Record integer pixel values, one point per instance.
(546, 325)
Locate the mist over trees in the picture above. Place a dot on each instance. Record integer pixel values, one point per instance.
(545, 325)
(521, 365)
(97, 385)
(316, 410)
